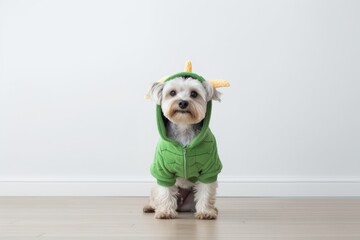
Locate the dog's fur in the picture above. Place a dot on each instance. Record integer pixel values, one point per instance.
(183, 102)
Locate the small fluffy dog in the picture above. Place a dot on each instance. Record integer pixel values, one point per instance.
(186, 162)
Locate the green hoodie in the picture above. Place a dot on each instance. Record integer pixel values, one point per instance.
(197, 161)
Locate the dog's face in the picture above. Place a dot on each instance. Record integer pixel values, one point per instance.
(183, 100)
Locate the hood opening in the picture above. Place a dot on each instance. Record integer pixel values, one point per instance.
(162, 120)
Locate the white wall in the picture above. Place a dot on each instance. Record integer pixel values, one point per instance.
(73, 74)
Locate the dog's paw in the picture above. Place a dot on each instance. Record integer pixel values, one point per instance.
(148, 209)
(209, 214)
(167, 214)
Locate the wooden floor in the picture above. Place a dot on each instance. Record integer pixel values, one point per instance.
(105, 218)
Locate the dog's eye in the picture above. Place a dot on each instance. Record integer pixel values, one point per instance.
(193, 94)
(172, 93)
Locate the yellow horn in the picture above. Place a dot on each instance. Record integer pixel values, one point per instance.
(188, 66)
(219, 83)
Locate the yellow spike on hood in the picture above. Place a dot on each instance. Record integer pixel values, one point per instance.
(219, 83)
(188, 66)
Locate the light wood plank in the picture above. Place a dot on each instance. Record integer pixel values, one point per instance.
(108, 218)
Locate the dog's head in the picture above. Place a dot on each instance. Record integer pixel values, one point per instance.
(183, 100)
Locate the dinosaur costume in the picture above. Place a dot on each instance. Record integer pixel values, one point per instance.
(198, 160)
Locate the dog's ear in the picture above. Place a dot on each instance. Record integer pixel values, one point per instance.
(211, 92)
(155, 92)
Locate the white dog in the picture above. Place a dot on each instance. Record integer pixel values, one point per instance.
(186, 162)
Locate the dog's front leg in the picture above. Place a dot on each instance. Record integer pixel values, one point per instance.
(166, 202)
(205, 197)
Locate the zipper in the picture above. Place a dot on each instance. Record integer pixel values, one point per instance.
(184, 157)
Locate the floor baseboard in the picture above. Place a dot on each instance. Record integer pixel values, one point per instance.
(228, 187)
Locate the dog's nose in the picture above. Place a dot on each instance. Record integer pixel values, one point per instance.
(183, 104)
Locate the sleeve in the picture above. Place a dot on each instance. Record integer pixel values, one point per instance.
(212, 168)
(163, 175)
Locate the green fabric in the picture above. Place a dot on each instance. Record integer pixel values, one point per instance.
(197, 161)
(185, 74)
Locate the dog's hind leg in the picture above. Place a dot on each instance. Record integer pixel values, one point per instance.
(150, 207)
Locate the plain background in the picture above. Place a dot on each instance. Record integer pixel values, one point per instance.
(73, 75)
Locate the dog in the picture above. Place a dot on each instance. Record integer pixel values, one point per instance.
(186, 161)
